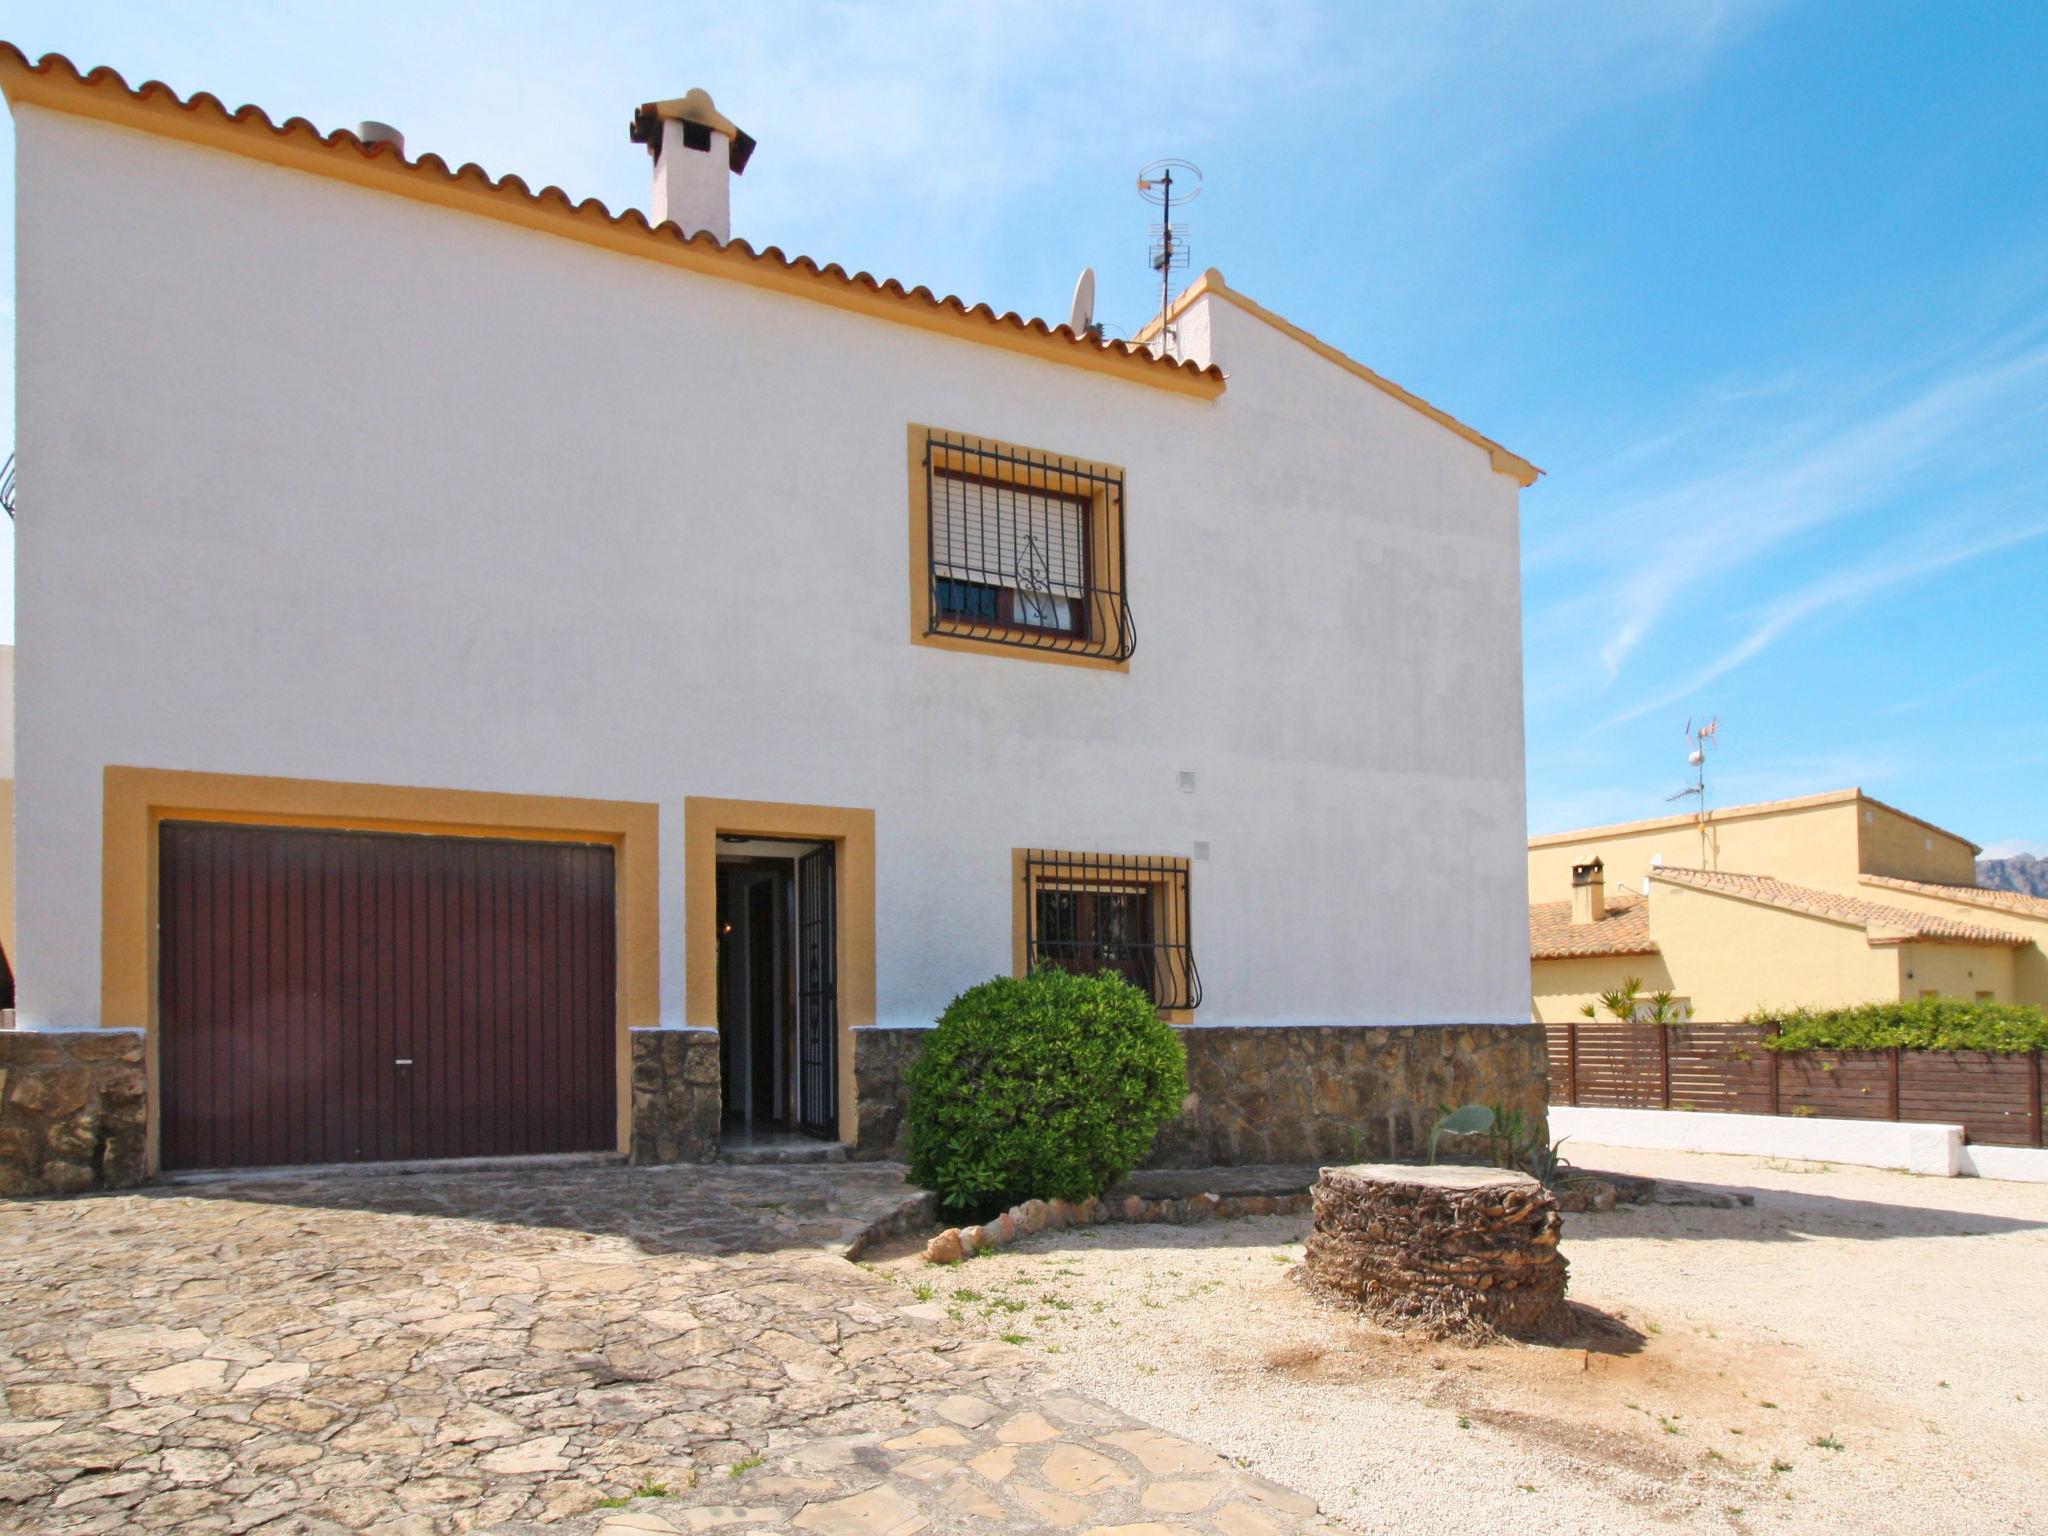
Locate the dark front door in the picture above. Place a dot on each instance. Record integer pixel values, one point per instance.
(817, 922)
(330, 997)
(755, 1012)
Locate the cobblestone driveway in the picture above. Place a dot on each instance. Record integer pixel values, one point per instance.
(521, 1351)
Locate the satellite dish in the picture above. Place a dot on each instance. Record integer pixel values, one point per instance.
(1082, 316)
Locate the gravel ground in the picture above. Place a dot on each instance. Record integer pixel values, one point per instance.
(1859, 1349)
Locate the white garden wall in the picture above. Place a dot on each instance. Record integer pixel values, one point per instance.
(1917, 1148)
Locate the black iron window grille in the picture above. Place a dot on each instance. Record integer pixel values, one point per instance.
(1025, 549)
(1092, 912)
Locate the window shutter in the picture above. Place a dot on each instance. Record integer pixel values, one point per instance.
(1007, 536)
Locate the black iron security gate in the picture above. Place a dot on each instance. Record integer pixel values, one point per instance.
(817, 939)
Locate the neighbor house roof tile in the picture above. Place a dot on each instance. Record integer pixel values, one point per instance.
(1625, 930)
(1884, 924)
(1975, 895)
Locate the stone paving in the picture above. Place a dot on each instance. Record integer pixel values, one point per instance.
(594, 1351)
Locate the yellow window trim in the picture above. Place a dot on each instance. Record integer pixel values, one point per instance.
(1108, 539)
(852, 834)
(136, 801)
(1171, 879)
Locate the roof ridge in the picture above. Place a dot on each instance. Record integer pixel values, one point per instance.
(1503, 459)
(1995, 897)
(1738, 812)
(54, 82)
(1880, 921)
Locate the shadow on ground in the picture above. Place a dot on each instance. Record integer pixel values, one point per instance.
(709, 1211)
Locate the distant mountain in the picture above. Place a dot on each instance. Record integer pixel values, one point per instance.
(2023, 872)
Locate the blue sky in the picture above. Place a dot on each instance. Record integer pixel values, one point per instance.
(1764, 287)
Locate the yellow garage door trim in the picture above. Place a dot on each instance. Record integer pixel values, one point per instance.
(138, 800)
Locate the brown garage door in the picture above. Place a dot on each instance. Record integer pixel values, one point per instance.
(334, 997)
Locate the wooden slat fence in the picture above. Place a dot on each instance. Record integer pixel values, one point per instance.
(1996, 1098)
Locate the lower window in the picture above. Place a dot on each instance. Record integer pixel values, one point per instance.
(1124, 913)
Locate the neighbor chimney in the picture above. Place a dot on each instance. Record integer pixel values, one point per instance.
(697, 151)
(1589, 892)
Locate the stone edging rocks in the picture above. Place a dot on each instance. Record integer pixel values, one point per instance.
(919, 1210)
(957, 1243)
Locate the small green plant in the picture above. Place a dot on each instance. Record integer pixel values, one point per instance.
(1511, 1142)
(1463, 1422)
(743, 1466)
(1779, 1464)
(1827, 1443)
(1466, 1120)
(646, 1488)
(1628, 1003)
(924, 1290)
(1047, 1086)
(1015, 1338)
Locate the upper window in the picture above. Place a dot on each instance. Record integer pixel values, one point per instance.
(1091, 912)
(1016, 549)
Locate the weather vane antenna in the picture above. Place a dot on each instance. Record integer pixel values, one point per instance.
(1701, 737)
(1164, 183)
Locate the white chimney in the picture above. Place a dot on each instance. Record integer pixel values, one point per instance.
(697, 151)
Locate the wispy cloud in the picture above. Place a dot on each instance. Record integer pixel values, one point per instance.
(1741, 515)
(1655, 549)
(1946, 692)
(1839, 590)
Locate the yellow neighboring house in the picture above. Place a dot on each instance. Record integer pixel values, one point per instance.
(1826, 899)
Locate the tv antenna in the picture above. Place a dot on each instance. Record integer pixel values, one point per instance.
(1161, 184)
(1702, 737)
(1081, 318)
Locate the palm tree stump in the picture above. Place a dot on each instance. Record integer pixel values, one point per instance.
(1454, 1252)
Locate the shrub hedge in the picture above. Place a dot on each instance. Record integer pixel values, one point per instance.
(1048, 1086)
(1918, 1024)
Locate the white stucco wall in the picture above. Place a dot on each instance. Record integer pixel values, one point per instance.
(335, 485)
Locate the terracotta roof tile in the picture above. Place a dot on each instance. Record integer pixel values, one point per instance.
(1625, 930)
(1975, 895)
(53, 81)
(1884, 924)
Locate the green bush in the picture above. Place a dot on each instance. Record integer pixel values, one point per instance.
(1049, 1086)
(1918, 1024)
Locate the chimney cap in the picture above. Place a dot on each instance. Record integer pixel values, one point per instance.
(1588, 873)
(696, 108)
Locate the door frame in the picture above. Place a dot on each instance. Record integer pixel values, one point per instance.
(851, 831)
(137, 800)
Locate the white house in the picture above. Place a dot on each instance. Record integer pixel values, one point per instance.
(470, 637)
